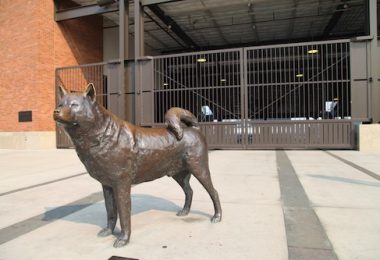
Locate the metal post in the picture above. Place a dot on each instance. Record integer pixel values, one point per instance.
(139, 52)
(374, 83)
(123, 54)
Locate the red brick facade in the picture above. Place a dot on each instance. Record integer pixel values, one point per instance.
(32, 45)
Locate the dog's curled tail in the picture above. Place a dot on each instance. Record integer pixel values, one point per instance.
(175, 116)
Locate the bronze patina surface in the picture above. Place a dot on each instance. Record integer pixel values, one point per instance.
(119, 154)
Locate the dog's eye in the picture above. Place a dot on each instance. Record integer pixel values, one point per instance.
(74, 104)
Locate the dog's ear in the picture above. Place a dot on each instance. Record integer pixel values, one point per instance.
(90, 92)
(62, 91)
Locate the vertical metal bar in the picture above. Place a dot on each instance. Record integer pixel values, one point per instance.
(178, 85)
(302, 97)
(256, 56)
(191, 77)
(200, 92)
(217, 89)
(267, 85)
(160, 86)
(323, 98)
(196, 84)
(326, 73)
(244, 93)
(206, 82)
(183, 84)
(154, 90)
(297, 82)
(215, 70)
(316, 86)
(310, 77)
(332, 68)
(276, 96)
(189, 84)
(293, 79)
(173, 76)
(347, 84)
(346, 77)
(256, 62)
(270, 79)
(301, 86)
(169, 78)
(262, 89)
(336, 89)
(233, 70)
(262, 71)
(251, 83)
(304, 86)
(168, 87)
(163, 87)
(229, 96)
(176, 68)
(342, 96)
(288, 102)
(282, 82)
(331, 87)
(227, 68)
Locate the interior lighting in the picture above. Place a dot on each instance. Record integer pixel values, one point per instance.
(166, 84)
(312, 51)
(223, 80)
(201, 59)
(299, 75)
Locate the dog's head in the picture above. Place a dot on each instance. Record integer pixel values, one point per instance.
(76, 109)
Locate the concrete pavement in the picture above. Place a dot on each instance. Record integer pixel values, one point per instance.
(276, 205)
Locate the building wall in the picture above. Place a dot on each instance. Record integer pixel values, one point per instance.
(32, 46)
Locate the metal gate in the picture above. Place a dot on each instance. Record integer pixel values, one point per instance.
(283, 96)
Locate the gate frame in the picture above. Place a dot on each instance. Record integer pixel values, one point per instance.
(245, 143)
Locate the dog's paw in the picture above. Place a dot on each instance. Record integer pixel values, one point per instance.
(105, 232)
(216, 218)
(120, 242)
(183, 212)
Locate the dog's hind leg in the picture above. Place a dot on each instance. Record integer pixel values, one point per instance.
(183, 180)
(111, 209)
(203, 176)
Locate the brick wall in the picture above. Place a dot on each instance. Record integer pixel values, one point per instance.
(32, 45)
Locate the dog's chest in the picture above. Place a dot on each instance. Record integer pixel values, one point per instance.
(106, 168)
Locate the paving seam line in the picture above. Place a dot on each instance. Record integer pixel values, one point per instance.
(354, 165)
(42, 184)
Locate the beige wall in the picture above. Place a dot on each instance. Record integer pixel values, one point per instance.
(369, 138)
(27, 140)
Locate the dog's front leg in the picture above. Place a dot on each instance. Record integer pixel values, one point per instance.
(122, 194)
(111, 209)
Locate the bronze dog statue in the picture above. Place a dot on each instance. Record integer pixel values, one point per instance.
(119, 154)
